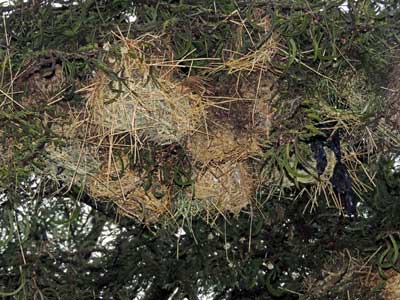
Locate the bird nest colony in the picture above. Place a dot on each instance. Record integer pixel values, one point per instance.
(164, 135)
(162, 144)
(158, 143)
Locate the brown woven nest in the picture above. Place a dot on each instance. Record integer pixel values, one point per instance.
(344, 276)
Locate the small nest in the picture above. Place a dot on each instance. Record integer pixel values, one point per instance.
(256, 60)
(43, 81)
(359, 95)
(343, 276)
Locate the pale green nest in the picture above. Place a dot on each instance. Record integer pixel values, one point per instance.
(294, 168)
(358, 94)
(143, 102)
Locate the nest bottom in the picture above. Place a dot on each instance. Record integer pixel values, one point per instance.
(131, 198)
(227, 187)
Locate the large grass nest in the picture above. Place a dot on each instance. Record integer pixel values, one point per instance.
(144, 100)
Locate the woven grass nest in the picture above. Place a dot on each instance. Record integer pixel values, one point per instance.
(140, 101)
(144, 102)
